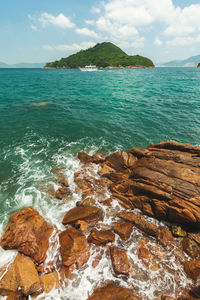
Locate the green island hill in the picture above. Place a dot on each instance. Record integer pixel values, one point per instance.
(103, 55)
(198, 66)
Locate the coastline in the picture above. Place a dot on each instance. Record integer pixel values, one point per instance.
(120, 67)
(103, 230)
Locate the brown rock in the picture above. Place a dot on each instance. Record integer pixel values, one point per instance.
(62, 193)
(88, 201)
(66, 273)
(86, 158)
(107, 202)
(112, 292)
(120, 261)
(74, 247)
(16, 296)
(101, 237)
(28, 232)
(191, 248)
(49, 281)
(144, 253)
(140, 223)
(89, 214)
(164, 297)
(8, 282)
(95, 262)
(165, 237)
(192, 269)
(124, 229)
(63, 181)
(82, 225)
(164, 181)
(27, 275)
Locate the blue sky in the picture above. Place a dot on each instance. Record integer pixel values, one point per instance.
(45, 30)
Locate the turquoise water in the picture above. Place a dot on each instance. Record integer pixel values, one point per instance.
(99, 111)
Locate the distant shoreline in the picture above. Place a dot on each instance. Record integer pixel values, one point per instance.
(107, 68)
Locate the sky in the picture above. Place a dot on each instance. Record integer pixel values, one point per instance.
(46, 30)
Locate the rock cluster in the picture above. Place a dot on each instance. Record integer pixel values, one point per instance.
(161, 182)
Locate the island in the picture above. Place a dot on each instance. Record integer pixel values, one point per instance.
(198, 66)
(103, 55)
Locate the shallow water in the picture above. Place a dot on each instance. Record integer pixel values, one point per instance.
(47, 116)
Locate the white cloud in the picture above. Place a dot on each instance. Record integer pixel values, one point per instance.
(60, 21)
(87, 32)
(90, 22)
(158, 42)
(95, 10)
(183, 41)
(128, 21)
(72, 47)
(34, 27)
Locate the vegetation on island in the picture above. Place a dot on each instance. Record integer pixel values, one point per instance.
(102, 55)
(198, 66)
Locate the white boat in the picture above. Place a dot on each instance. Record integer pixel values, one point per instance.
(89, 68)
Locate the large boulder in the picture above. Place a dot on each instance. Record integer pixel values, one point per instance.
(28, 232)
(112, 292)
(164, 181)
(74, 247)
(89, 214)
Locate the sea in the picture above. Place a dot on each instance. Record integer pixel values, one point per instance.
(48, 116)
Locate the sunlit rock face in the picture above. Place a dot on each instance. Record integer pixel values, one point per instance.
(132, 233)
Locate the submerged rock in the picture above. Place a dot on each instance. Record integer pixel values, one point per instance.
(28, 232)
(112, 292)
(74, 247)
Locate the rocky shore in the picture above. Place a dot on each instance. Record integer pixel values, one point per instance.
(138, 218)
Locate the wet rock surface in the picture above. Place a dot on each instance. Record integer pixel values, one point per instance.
(28, 232)
(74, 248)
(112, 292)
(89, 214)
(101, 237)
(135, 222)
(163, 181)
